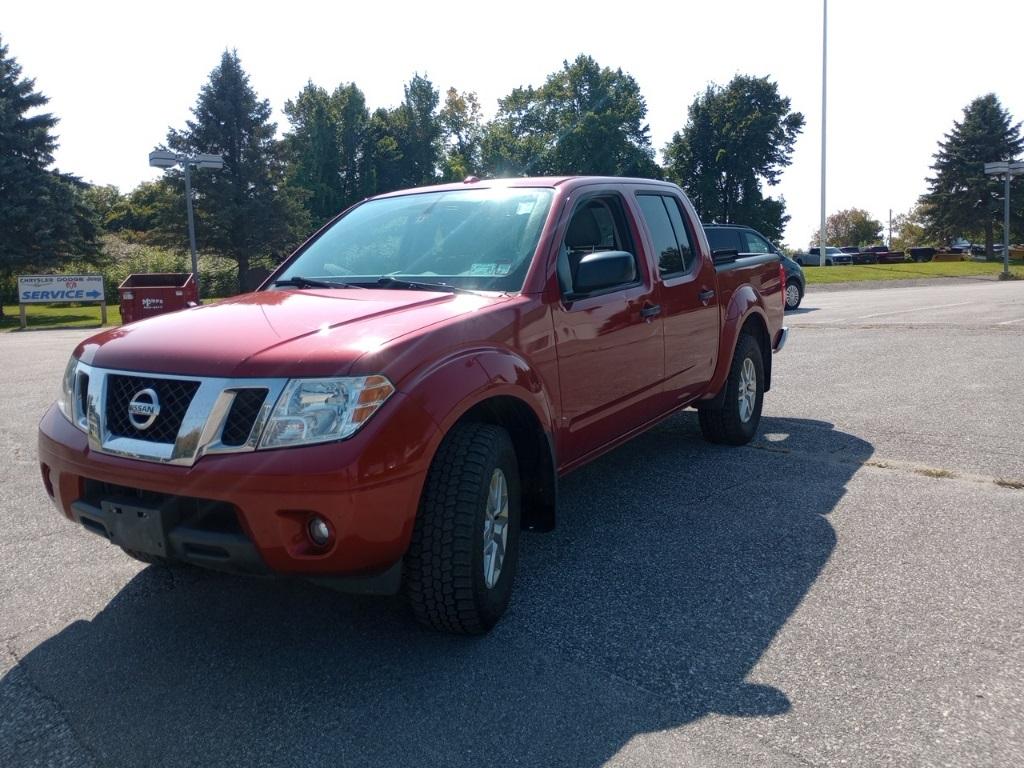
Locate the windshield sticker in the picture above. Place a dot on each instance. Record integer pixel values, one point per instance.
(525, 207)
(490, 270)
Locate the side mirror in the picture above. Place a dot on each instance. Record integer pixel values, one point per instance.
(604, 269)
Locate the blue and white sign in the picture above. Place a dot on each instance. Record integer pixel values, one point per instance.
(47, 289)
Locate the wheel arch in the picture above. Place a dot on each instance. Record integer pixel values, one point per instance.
(499, 387)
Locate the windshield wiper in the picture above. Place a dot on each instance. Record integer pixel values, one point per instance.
(308, 282)
(394, 282)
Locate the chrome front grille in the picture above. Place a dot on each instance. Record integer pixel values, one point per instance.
(174, 396)
(198, 415)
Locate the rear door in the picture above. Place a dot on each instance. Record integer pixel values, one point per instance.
(688, 295)
(610, 345)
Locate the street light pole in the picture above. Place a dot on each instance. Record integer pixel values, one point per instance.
(822, 238)
(191, 226)
(1007, 169)
(162, 158)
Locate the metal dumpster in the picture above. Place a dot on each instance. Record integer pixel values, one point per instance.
(147, 294)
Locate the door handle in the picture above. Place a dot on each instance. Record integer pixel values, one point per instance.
(650, 311)
(706, 296)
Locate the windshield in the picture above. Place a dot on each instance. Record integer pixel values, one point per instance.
(480, 239)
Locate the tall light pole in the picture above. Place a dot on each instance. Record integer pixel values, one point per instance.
(822, 237)
(162, 158)
(1007, 169)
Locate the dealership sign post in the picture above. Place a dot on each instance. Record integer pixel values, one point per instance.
(53, 289)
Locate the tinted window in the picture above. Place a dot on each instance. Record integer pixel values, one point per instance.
(682, 236)
(666, 249)
(723, 239)
(754, 243)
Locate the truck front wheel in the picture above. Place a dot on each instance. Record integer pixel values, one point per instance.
(735, 420)
(462, 559)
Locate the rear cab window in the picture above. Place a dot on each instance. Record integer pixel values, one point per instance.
(670, 236)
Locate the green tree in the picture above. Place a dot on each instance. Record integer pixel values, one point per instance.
(735, 139)
(45, 217)
(325, 148)
(246, 210)
(585, 119)
(853, 226)
(961, 199)
(908, 229)
(148, 212)
(403, 144)
(462, 131)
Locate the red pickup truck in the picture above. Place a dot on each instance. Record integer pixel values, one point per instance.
(397, 402)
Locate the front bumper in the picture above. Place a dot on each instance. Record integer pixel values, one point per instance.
(367, 488)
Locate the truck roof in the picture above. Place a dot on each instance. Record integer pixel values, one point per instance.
(524, 181)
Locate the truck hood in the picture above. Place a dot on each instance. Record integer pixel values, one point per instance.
(276, 333)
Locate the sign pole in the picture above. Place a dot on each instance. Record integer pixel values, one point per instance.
(24, 319)
(103, 311)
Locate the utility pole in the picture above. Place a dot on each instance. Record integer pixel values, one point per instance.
(822, 237)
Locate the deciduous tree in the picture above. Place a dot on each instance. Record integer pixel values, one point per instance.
(584, 119)
(853, 226)
(736, 139)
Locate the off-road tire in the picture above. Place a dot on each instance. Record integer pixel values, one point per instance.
(722, 423)
(444, 573)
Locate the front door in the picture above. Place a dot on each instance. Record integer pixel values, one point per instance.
(610, 346)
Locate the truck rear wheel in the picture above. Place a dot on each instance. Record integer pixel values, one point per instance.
(735, 420)
(462, 560)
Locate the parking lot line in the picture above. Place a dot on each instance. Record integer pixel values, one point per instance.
(914, 309)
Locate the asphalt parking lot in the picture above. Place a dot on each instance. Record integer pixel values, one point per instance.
(847, 591)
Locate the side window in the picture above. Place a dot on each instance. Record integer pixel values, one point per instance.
(754, 243)
(682, 235)
(599, 224)
(723, 239)
(666, 247)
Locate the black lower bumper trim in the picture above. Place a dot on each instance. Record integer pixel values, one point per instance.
(133, 527)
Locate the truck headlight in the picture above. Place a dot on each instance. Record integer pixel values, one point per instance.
(66, 398)
(321, 410)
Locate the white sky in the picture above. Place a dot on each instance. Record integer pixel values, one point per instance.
(900, 71)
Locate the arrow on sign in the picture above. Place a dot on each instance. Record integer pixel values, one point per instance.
(92, 294)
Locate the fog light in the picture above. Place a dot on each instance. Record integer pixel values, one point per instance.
(319, 532)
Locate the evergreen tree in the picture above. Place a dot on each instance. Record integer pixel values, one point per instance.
(45, 219)
(962, 201)
(245, 210)
(736, 137)
(585, 119)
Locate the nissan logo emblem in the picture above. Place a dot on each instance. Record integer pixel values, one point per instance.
(143, 409)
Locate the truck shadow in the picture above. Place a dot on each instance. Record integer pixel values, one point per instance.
(674, 566)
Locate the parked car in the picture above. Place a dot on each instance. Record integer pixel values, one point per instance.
(398, 400)
(858, 256)
(833, 256)
(748, 241)
(884, 256)
(922, 254)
